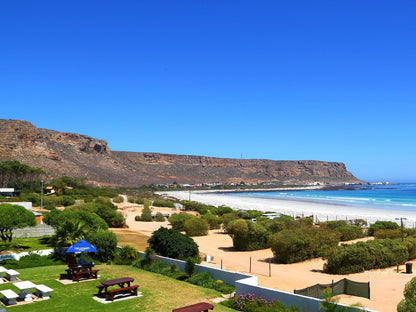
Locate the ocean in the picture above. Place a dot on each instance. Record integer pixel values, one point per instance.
(390, 197)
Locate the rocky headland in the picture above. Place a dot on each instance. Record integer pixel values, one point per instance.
(81, 156)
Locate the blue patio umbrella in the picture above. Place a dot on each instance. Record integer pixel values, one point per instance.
(82, 246)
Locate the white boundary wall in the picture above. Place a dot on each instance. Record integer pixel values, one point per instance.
(248, 284)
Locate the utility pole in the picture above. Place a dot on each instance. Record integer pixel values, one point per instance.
(41, 195)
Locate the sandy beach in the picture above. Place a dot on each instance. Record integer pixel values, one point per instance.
(387, 284)
(320, 211)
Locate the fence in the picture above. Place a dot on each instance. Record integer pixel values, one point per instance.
(344, 286)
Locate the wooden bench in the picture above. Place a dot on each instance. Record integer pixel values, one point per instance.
(129, 289)
(43, 291)
(10, 296)
(100, 289)
(197, 307)
(90, 274)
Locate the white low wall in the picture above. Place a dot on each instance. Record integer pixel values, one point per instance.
(248, 284)
(17, 256)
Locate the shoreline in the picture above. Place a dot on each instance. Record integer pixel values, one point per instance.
(297, 208)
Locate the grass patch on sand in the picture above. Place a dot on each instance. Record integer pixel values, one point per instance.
(160, 293)
(131, 238)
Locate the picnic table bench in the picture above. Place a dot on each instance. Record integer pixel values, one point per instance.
(76, 272)
(125, 290)
(197, 307)
(123, 287)
(88, 274)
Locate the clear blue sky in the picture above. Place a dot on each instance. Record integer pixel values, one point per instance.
(282, 80)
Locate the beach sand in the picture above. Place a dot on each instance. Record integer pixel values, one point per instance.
(320, 211)
(387, 284)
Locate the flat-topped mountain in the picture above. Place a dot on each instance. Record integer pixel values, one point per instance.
(81, 156)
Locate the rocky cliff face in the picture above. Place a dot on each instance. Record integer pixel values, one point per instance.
(80, 156)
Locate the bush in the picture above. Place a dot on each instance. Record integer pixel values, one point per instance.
(222, 288)
(382, 225)
(32, 261)
(140, 201)
(190, 266)
(196, 227)
(291, 246)
(247, 235)
(146, 214)
(106, 243)
(126, 255)
(392, 234)
(203, 279)
(375, 254)
(68, 200)
(177, 220)
(253, 303)
(213, 221)
(408, 304)
(173, 244)
(160, 203)
(160, 217)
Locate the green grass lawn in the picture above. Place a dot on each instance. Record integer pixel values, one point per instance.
(160, 293)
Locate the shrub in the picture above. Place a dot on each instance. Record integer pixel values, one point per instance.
(137, 218)
(368, 255)
(177, 220)
(290, 246)
(222, 287)
(146, 214)
(160, 217)
(140, 201)
(203, 279)
(68, 200)
(32, 261)
(173, 244)
(393, 234)
(213, 221)
(126, 255)
(160, 203)
(253, 303)
(196, 227)
(408, 304)
(382, 225)
(190, 266)
(247, 235)
(106, 243)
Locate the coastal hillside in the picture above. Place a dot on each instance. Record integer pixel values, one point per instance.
(81, 156)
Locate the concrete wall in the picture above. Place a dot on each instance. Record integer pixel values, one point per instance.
(34, 231)
(248, 284)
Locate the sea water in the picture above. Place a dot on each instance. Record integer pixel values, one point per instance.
(391, 197)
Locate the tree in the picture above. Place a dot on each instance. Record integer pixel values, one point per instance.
(14, 217)
(173, 244)
(69, 233)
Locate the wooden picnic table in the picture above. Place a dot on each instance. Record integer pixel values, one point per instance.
(123, 282)
(75, 272)
(197, 307)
